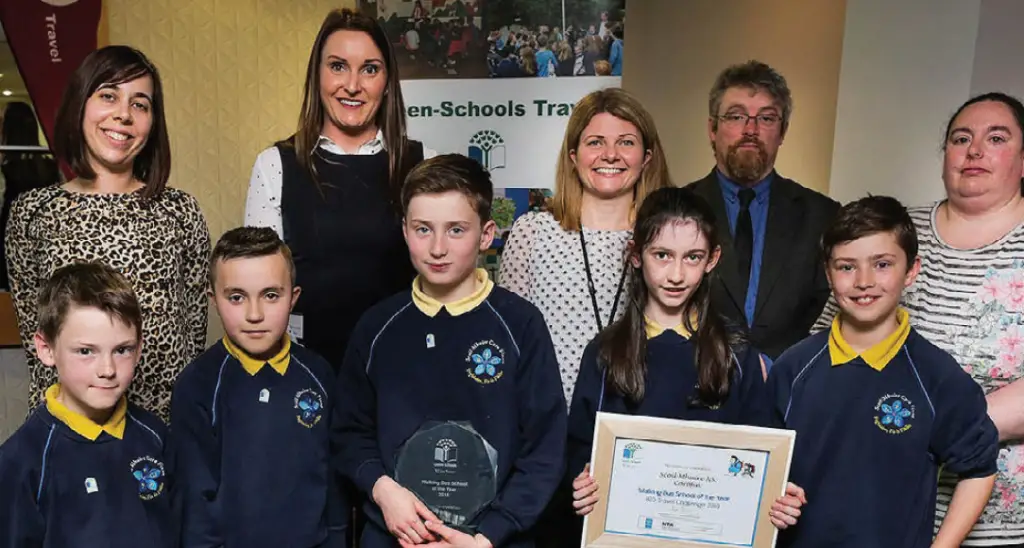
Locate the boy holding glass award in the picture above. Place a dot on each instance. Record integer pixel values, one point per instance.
(450, 413)
(876, 407)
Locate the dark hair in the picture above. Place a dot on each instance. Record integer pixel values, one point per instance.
(753, 75)
(113, 65)
(449, 172)
(86, 285)
(623, 344)
(868, 216)
(390, 118)
(20, 127)
(247, 242)
(1011, 102)
(618, 31)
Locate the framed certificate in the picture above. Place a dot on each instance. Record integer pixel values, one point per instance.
(672, 483)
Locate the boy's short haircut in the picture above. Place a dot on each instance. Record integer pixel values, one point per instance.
(87, 285)
(868, 216)
(450, 172)
(246, 242)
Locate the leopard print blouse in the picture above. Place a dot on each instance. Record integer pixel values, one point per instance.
(162, 248)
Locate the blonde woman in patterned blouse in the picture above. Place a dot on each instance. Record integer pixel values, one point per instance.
(569, 261)
(111, 131)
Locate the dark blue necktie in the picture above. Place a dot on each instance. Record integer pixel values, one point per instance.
(744, 240)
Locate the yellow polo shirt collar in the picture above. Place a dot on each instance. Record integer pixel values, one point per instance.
(878, 356)
(84, 426)
(252, 366)
(654, 328)
(431, 306)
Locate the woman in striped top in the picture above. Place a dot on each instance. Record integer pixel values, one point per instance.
(969, 297)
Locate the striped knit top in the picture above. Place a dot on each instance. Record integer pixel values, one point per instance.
(970, 303)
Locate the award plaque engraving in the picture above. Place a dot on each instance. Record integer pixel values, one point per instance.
(451, 468)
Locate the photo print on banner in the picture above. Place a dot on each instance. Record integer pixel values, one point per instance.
(469, 39)
(497, 80)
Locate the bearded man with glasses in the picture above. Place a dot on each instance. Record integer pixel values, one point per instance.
(772, 280)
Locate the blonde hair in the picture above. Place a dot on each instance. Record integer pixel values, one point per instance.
(567, 202)
(528, 60)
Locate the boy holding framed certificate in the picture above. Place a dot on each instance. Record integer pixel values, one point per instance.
(876, 407)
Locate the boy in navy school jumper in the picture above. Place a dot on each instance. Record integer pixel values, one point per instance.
(876, 407)
(411, 361)
(87, 469)
(250, 416)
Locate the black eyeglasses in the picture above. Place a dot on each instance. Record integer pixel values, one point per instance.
(737, 119)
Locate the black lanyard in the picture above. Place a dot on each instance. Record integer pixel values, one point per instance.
(593, 290)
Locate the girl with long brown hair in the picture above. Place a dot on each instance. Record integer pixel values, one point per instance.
(670, 355)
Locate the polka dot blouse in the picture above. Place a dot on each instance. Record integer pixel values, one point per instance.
(543, 263)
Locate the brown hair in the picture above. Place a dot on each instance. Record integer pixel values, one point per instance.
(568, 197)
(449, 172)
(623, 344)
(86, 285)
(1011, 102)
(390, 118)
(753, 75)
(247, 242)
(528, 60)
(113, 65)
(564, 51)
(602, 68)
(867, 216)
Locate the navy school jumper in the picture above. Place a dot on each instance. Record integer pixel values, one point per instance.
(872, 432)
(252, 440)
(65, 481)
(411, 360)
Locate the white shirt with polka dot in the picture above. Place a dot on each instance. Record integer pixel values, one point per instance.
(543, 263)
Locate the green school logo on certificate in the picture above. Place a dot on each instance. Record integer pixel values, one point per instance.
(894, 413)
(629, 453)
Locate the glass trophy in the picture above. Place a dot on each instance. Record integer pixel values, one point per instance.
(452, 469)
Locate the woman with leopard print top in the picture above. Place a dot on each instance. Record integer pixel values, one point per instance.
(111, 130)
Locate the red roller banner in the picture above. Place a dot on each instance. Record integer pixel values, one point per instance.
(49, 39)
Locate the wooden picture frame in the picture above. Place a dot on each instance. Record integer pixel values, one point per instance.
(776, 447)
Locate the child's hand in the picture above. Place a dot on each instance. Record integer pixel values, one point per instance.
(404, 514)
(450, 538)
(786, 509)
(584, 492)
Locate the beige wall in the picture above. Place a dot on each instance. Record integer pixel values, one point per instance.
(233, 72)
(675, 49)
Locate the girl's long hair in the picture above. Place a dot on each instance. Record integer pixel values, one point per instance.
(623, 345)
